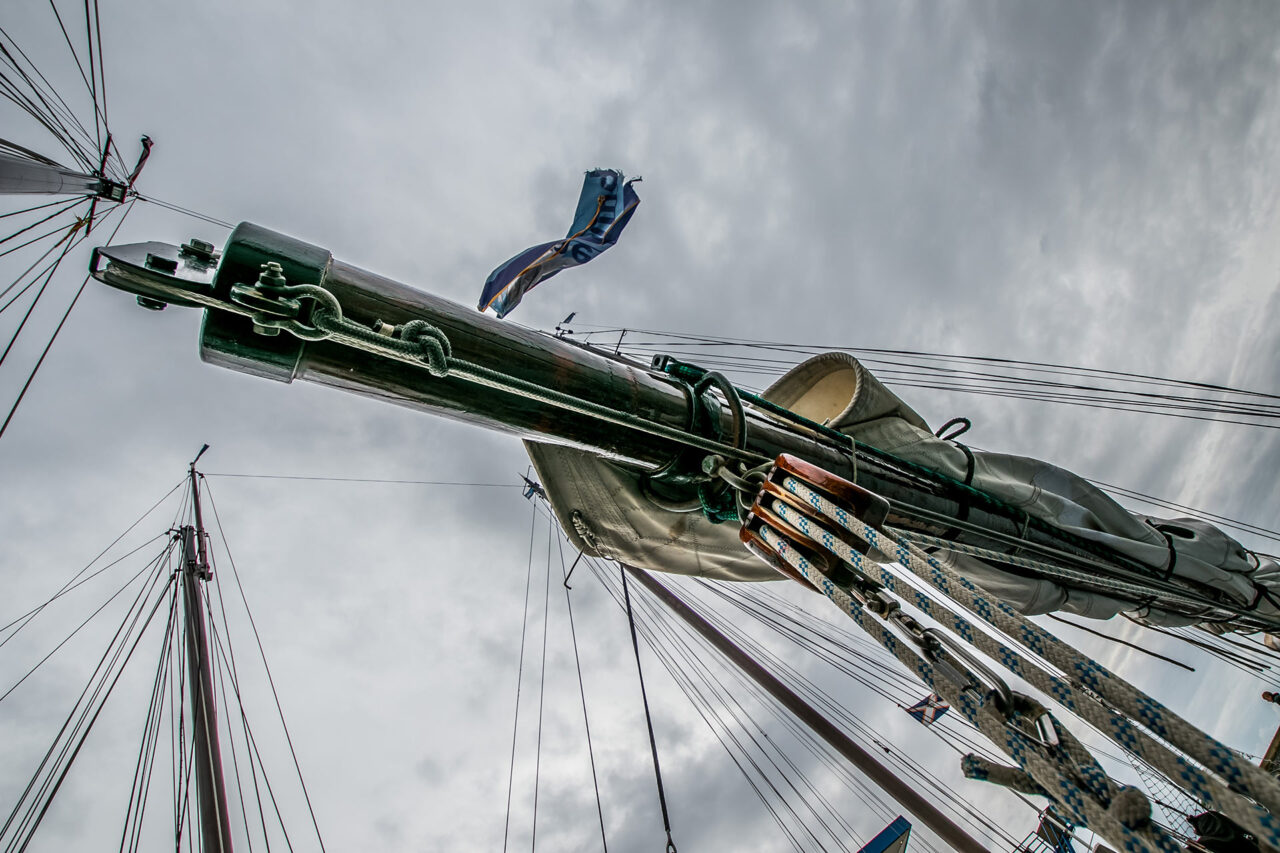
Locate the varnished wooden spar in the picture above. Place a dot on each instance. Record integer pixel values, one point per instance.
(158, 273)
(193, 275)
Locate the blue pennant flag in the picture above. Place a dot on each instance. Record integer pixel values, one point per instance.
(604, 209)
(929, 708)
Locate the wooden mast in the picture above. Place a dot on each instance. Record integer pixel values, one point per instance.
(215, 822)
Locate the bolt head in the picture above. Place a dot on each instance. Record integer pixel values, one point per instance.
(161, 263)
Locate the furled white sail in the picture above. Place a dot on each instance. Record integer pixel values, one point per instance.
(604, 509)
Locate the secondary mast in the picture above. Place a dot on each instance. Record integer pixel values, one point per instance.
(215, 822)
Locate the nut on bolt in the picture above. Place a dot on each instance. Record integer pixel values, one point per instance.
(201, 250)
(272, 276)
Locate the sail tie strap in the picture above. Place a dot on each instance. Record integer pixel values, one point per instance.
(1088, 686)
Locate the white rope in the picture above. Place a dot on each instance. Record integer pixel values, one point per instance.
(1084, 676)
(980, 710)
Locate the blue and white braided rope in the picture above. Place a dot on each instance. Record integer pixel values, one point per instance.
(1239, 775)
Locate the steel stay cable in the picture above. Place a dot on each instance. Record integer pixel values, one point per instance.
(542, 685)
(219, 661)
(739, 717)
(71, 715)
(786, 720)
(742, 717)
(227, 658)
(727, 696)
(66, 110)
(1049, 366)
(582, 691)
(33, 209)
(51, 117)
(1046, 389)
(822, 698)
(48, 277)
(86, 621)
(1117, 587)
(150, 735)
(1083, 671)
(254, 753)
(653, 743)
(40, 361)
(1086, 629)
(262, 653)
(719, 727)
(50, 121)
(652, 638)
(824, 701)
(100, 675)
(819, 698)
(66, 767)
(93, 72)
(515, 725)
(53, 6)
(71, 586)
(67, 205)
(1119, 399)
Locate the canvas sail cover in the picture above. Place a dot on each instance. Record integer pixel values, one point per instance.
(601, 506)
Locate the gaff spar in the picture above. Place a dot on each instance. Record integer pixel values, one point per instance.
(827, 477)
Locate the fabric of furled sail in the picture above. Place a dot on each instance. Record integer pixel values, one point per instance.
(834, 388)
(601, 508)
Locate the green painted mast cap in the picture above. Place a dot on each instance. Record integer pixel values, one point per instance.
(230, 340)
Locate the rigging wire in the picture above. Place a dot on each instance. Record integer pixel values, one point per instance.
(130, 834)
(89, 704)
(36, 277)
(820, 698)
(66, 205)
(653, 743)
(34, 302)
(40, 361)
(149, 567)
(365, 480)
(213, 220)
(996, 376)
(597, 570)
(93, 90)
(225, 662)
(1145, 651)
(524, 623)
(723, 732)
(275, 695)
(542, 688)
(66, 589)
(51, 119)
(44, 206)
(75, 581)
(582, 692)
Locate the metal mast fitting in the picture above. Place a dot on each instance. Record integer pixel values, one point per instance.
(22, 175)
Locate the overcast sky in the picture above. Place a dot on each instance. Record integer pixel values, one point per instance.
(1084, 183)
